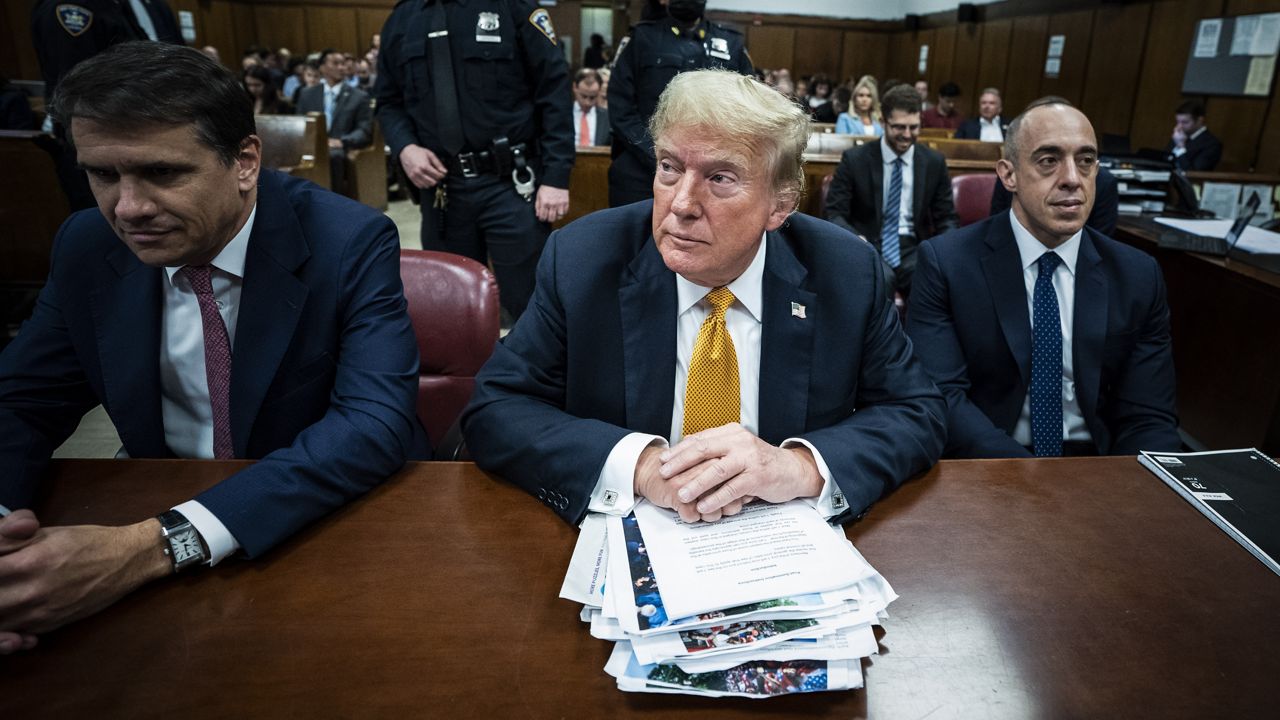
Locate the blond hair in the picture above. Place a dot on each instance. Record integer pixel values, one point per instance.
(870, 84)
(729, 105)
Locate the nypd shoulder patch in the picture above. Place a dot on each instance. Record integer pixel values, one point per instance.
(75, 19)
(541, 19)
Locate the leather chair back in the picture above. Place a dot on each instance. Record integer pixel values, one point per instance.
(972, 196)
(453, 304)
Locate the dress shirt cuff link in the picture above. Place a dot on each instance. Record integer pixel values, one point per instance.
(615, 490)
(215, 534)
(830, 502)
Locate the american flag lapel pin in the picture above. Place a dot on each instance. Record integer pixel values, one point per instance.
(797, 310)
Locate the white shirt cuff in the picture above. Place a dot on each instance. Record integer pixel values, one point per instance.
(4, 511)
(615, 490)
(830, 502)
(216, 536)
(1179, 151)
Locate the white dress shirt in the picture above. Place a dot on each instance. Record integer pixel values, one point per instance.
(184, 386)
(614, 491)
(577, 124)
(1064, 286)
(906, 224)
(991, 131)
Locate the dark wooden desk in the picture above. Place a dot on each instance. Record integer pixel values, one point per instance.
(1054, 588)
(1223, 316)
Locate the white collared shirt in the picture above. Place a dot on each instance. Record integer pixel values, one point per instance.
(577, 124)
(906, 224)
(1064, 286)
(184, 386)
(991, 131)
(743, 319)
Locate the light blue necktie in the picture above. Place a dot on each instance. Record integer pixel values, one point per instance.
(892, 212)
(1046, 362)
(330, 92)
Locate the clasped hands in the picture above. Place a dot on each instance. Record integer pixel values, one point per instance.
(54, 575)
(714, 473)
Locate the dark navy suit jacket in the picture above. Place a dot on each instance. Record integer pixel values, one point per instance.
(323, 375)
(968, 318)
(594, 358)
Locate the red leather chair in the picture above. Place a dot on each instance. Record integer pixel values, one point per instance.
(972, 196)
(453, 304)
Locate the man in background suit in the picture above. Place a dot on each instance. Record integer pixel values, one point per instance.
(348, 114)
(988, 126)
(1046, 337)
(590, 121)
(216, 310)
(1192, 146)
(864, 186)
(709, 347)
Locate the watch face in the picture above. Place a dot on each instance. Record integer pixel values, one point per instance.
(186, 545)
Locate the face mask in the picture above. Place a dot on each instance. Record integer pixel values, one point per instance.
(686, 10)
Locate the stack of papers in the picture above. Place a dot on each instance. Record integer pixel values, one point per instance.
(769, 602)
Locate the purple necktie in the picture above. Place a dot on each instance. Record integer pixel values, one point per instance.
(217, 359)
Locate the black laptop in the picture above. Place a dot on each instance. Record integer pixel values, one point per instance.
(1181, 240)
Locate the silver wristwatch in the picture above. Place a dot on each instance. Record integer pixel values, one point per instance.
(182, 543)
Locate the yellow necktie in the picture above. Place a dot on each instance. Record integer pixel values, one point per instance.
(711, 396)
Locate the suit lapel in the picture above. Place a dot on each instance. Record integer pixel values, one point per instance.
(877, 189)
(271, 301)
(919, 175)
(126, 307)
(1003, 270)
(1089, 327)
(786, 342)
(647, 299)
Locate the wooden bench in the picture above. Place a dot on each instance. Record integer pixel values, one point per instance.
(296, 144)
(367, 172)
(965, 149)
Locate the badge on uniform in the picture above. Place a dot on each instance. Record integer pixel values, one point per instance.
(487, 28)
(621, 46)
(541, 19)
(719, 49)
(75, 19)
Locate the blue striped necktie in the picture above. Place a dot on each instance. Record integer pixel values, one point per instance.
(892, 212)
(1046, 362)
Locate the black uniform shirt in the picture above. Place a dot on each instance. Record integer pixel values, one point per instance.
(511, 77)
(67, 32)
(654, 52)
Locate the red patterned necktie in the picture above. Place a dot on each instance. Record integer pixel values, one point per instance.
(217, 359)
(584, 131)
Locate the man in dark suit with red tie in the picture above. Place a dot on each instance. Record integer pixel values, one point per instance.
(216, 310)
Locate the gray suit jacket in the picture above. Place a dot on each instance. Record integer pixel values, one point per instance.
(352, 113)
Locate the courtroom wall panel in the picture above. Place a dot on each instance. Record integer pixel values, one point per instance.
(1076, 27)
(864, 53)
(817, 50)
(993, 58)
(1027, 47)
(1115, 57)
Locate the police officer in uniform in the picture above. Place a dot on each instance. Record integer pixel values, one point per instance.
(474, 100)
(648, 58)
(64, 33)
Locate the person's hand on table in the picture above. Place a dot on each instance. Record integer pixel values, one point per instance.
(721, 469)
(422, 166)
(551, 203)
(55, 575)
(650, 484)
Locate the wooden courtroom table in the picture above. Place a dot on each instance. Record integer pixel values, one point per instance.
(1225, 352)
(1051, 588)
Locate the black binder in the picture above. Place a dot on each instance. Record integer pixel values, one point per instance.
(1239, 490)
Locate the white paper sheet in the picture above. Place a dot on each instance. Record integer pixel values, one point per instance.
(767, 551)
(584, 580)
(1207, 38)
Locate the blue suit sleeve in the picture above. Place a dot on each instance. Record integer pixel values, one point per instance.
(369, 429)
(931, 326)
(514, 425)
(43, 394)
(899, 427)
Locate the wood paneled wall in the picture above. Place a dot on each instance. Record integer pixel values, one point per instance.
(1123, 62)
